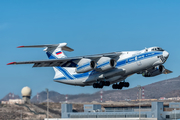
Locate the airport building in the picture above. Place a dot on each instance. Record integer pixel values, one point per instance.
(13, 101)
(156, 110)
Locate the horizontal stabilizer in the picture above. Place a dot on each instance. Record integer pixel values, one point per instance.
(62, 45)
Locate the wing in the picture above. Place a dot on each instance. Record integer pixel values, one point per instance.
(66, 62)
(64, 47)
(166, 71)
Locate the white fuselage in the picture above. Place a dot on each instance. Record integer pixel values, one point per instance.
(127, 64)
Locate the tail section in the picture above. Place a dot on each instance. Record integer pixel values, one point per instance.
(55, 51)
(64, 73)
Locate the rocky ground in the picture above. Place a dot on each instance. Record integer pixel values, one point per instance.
(15, 112)
(38, 111)
(33, 111)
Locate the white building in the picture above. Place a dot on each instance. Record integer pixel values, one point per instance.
(13, 101)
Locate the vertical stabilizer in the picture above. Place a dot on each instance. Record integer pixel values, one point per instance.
(55, 52)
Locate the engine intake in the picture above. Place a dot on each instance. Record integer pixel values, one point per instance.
(85, 65)
(105, 63)
(154, 72)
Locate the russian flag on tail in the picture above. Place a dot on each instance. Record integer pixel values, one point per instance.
(57, 53)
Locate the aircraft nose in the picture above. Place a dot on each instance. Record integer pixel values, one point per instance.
(166, 54)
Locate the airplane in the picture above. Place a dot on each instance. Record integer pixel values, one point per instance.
(101, 69)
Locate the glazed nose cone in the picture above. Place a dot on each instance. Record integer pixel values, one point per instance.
(165, 54)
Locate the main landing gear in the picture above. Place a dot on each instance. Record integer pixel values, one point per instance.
(101, 84)
(120, 85)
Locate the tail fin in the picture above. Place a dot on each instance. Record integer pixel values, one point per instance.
(53, 51)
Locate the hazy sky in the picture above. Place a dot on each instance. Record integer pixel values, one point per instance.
(89, 27)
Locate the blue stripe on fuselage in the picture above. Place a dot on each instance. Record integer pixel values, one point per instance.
(120, 63)
(62, 70)
(65, 73)
(76, 76)
(61, 78)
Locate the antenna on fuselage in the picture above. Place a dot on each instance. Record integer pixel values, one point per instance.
(146, 49)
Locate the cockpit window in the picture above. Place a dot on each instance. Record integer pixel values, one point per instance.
(157, 49)
(160, 49)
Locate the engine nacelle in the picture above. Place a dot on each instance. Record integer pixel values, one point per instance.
(105, 63)
(85, 65)
(153, 72)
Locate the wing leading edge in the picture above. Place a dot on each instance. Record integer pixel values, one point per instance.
(65, 62)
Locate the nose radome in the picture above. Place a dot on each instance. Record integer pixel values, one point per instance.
(165, 54)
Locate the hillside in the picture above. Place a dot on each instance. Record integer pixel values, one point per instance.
(165, 88)
(10, 96)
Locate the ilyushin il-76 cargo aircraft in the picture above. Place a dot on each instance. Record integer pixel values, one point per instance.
(101, 69)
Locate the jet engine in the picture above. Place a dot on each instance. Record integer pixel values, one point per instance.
(157, 70)
(105, 63)
(85, 65)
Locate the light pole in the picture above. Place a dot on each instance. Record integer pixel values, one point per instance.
(175, 113)
(139, 100)
(66, 98)
(47, 103)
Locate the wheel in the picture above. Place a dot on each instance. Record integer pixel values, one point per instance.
(108, 83)
(95, 85)
(126, 84)
(121, 84)
(101, 84)
(115, 86)
(120, 87)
